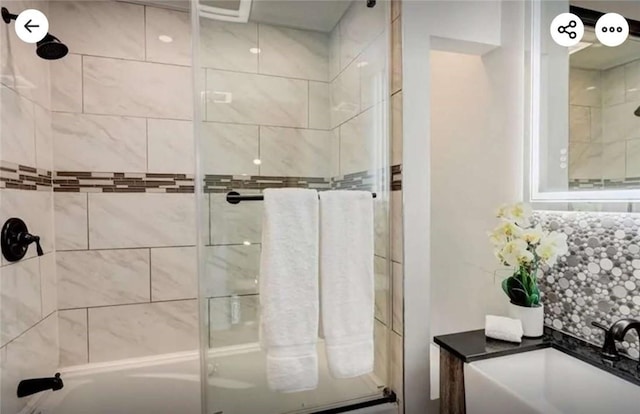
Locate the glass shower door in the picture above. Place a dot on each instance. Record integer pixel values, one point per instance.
(297, 96)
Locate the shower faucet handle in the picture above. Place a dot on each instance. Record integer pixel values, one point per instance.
(15, 240)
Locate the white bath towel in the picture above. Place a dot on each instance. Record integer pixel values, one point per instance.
(289, 288)
(502, 328)
(347, 281)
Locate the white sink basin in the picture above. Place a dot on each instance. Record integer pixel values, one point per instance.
(546, 382)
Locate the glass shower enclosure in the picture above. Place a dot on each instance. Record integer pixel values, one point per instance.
(289, 94)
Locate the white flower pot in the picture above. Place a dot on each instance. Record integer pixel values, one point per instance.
(532, 319)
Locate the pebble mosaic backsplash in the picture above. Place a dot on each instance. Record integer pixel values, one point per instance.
(599, 279)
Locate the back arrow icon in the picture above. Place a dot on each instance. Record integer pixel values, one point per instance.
(28, 26)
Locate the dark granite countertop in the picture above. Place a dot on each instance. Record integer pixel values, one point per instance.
(473, 346)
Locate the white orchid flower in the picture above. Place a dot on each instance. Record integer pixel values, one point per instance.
(515, 253)
(533, 235)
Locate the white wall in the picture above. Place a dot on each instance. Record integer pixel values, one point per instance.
(474, 117)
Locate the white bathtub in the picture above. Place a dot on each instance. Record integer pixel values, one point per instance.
(546, 382)
(167, 384)
(170, 384)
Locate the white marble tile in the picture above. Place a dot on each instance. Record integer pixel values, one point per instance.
(396, 9)
(100, 28)
(35, 208)
(295, 152)
(129, 331)
(170, 146)
(382, 284)
(397, 304)
(614, 160)
(357, 143)
(102, 277)
(225, 45)
(358, 28)
(613, 86)
(396, 129)
(141, 220)
(632, 80)
(397, 368)
(396, 55)
(334, 52)
(380, 337)
(633, 158)
(397, 249)
(22, 70)
(256, 99)
(121, 87)
(235, 224)
(579, 123)
(585, 87)
(293, 53)
(335, 152)
(20, 298)
(18, 144)
(596, 125)
(70, 214)
(174, 24)
(174, 273)
(619, 123)
(231, 270)
(72, 327)
(233, 321)
(33, 355)
(99, 143)
(381, 227)
(66, 88)
(319, 104)
(229, 148)
(44, 140)
(344, 95)
(48, 284)
(585, 161)
(374, 79)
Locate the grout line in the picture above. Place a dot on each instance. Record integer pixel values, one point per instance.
(146, 124)
(88, 348)
(123, 248)
(144, 37)
(82, 83)
(129, 304)
(150, 278)
(88, 228)
(29, 328)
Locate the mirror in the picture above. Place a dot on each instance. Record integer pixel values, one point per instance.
(585, 114)
(604, 114)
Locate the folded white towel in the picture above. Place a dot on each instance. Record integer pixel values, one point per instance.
(502, 328)
(347, 281)
(289, 288)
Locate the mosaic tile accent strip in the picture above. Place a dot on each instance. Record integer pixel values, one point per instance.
(587, 184)
(599, 279)
(396, 177)
(121, 182)
(128, 182)
(226, 183)
(22, 177)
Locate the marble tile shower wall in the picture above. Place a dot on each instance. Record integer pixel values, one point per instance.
(28, 317)
(121, 123)
(604, 138)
